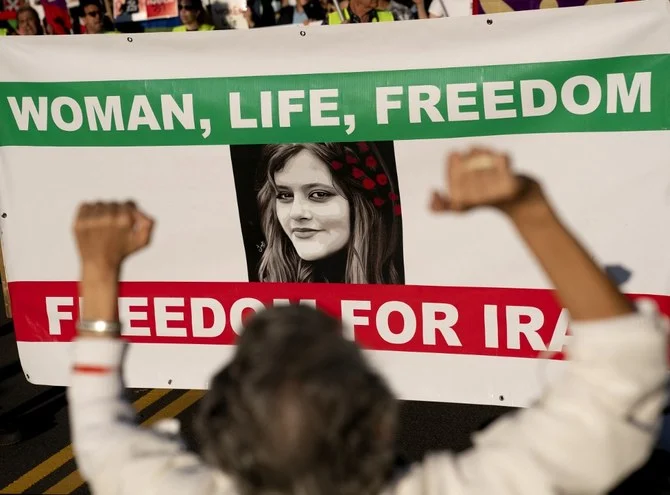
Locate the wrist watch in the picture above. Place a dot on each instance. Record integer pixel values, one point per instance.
(99, 327)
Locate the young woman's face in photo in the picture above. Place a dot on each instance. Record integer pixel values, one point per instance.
(313, 214)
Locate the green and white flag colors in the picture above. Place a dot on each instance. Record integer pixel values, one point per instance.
(354, 123)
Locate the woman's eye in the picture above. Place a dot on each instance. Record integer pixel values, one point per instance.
(320, 195)
(284, 196)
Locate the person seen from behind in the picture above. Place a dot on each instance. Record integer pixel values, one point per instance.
(299, 410)
(193, 17)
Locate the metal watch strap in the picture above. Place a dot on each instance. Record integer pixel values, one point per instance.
(99, 326)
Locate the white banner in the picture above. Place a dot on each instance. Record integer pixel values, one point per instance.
(296, 165)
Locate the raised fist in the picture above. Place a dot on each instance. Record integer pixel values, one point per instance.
(107, 233)
(480, 178)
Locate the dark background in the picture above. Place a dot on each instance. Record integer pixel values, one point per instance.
(248, 172)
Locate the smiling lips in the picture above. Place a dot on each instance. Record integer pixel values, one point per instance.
(303, 233)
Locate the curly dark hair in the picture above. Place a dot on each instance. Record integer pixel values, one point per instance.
(299, 411)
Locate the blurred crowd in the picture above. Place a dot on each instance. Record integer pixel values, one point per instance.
(103, 17)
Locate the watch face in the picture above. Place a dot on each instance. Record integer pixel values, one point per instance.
(619, 274)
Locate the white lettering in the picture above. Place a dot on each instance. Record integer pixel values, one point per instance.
(515, 327)
(491, 326)
(54, 313)
(640, 89)
(57, 114)
(237, 310)
(29, 111)
(455, 101)
(492, 99)
(266, 109)
(141, 113)
(528, 107)
(183, 114)
(560, 337)
(198, 307)
(424, 98)
(163, 316)
(127, 316)
(286, 107)
(409, 322)
(350, 319)
(445, 325)
(111, 113)
(236, 120)
(317, 106)
(593, 99)
(384, 104)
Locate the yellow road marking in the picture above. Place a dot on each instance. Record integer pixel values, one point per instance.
(67, 485)
(177, 406)
(74, 480)
(149, 398)
(61, 457)
(39, 472)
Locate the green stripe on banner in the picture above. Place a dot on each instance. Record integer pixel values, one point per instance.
(616, 94)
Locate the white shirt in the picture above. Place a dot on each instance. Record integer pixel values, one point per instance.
(593, 427)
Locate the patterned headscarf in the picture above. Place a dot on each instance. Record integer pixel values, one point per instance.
(364, 166)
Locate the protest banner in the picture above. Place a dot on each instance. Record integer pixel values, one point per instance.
(224, 149)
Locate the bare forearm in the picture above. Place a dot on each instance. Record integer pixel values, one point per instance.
(582, 287)
(99, 291)
(421, 11)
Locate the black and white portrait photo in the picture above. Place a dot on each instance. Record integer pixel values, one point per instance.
(320, 212)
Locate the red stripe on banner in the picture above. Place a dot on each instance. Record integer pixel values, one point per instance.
(443, 320)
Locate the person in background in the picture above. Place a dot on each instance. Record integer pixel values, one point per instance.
(46, 27)
(400, 12)
(301, 12)
(93, 16)
(28, 21)
(261, 13)
(438, 9)
(193, 17)
(420, 9)
(358, 11)
(329, 6)
(300, 410)
(6, 29)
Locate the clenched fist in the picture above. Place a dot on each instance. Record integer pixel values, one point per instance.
(481, 178)
(107, 233)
